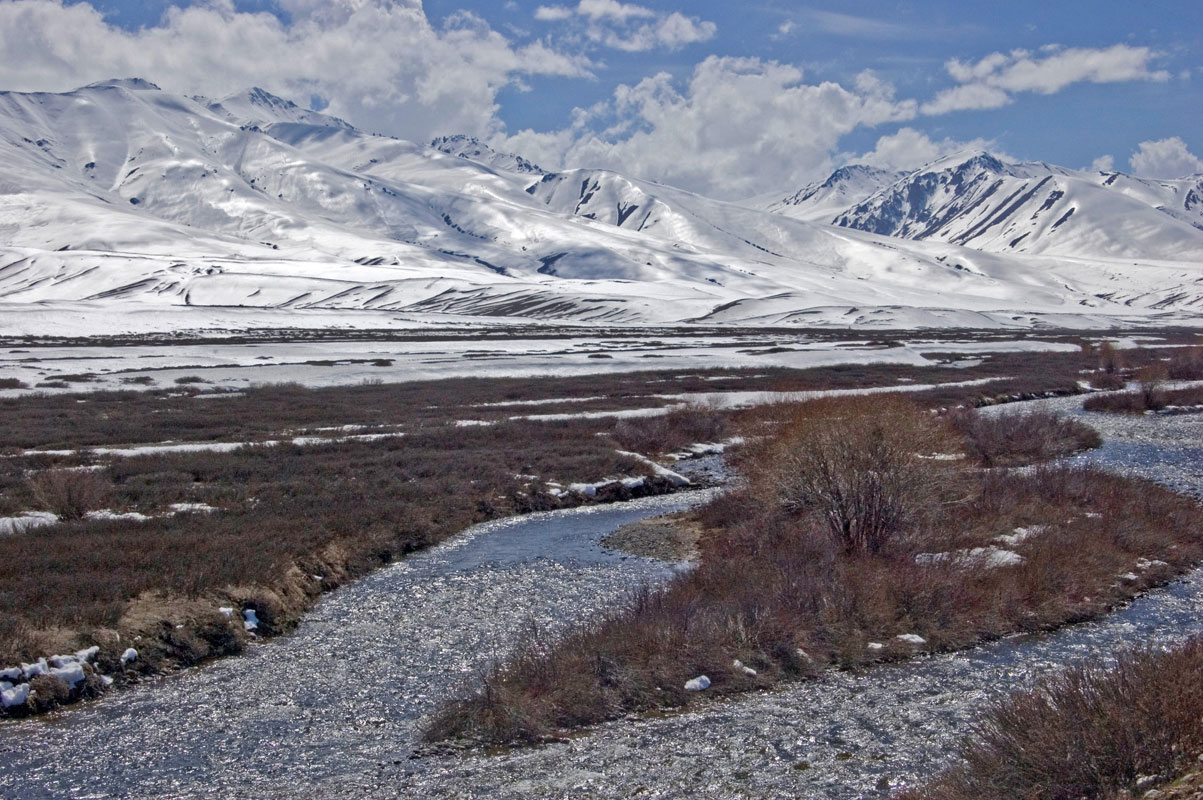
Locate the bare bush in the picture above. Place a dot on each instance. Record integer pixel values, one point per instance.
(1111, 360)
(1013, 438)
(861, 472)
(1089, 731)
(682, 425)
(1152, 380)
(69, 493)
(1186, 364)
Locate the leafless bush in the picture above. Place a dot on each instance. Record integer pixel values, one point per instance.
(1089, 731)
(69, 493)
(1111, 360)
(860, 470)
(1186, 364)
(1140, 401)
(1026, 437)
(12, 383)
(681, 426)
(1152, 385)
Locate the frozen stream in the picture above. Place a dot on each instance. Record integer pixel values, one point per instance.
(331, 710)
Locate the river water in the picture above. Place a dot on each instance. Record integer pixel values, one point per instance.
(333, 710)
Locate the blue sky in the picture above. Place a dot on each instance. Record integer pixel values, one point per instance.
(730, 99)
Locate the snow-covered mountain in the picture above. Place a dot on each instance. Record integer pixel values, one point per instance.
(475, 150)
(981, 201)
(124, 196)
(828, 199)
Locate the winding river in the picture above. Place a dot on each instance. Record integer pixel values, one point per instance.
(333, 709)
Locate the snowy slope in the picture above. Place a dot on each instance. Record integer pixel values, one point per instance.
(122, 195)
(978, 200)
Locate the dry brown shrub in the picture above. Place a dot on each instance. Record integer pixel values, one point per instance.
(865, 467)
(1010, 437)
(1186, 364)
(1090, 731)
(69, 493)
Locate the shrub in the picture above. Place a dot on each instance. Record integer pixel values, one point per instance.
(1010, 438)
(12, 383)
(185, 379)
(859, 466)
(1186, 364)
(1152, 386)
(1111, 360)
(680, 426)
(69, 493)
(1089, 731)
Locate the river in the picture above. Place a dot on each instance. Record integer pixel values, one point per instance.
(333, 709)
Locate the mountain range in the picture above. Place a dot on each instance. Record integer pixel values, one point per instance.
(122, 196)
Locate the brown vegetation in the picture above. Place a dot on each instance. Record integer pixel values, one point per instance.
(846, 533)
(1092, 731)
(1150, 397)
(1009, 438)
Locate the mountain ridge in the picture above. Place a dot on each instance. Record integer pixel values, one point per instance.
(123, 195)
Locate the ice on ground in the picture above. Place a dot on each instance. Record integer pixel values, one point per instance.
(31, 671)
(744, 668)
(16, 696)
(875, 646)
(675, 478)
(105, 514)
(27, 521)
(1020, 535)
(986, 557)
(12, 674)
(227, 610)
(72, 674)
(698, 684)
(192, 508)
(129, 655)
(249, 620)
(911, 638)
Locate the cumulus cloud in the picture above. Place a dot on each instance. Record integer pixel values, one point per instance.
(740, 126)
(1165, 158)
(1103, 164)
(629, 27)
(381, 63)
(990, 82)
(910, 149)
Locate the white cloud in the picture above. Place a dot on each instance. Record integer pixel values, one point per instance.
(552, 13)
(990, 82)
(910, 149)
(1165, 158)
(969, 96)
(740, 126)
(381, 63)
(611, 9)
(630, 27)
(1103, 164)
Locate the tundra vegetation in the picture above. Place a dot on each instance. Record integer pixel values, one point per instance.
(268, 527)
(861, 530)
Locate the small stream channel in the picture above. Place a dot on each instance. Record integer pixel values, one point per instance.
(332, 710)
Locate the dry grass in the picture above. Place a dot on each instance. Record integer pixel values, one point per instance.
(1089, 732)
(781, 588)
